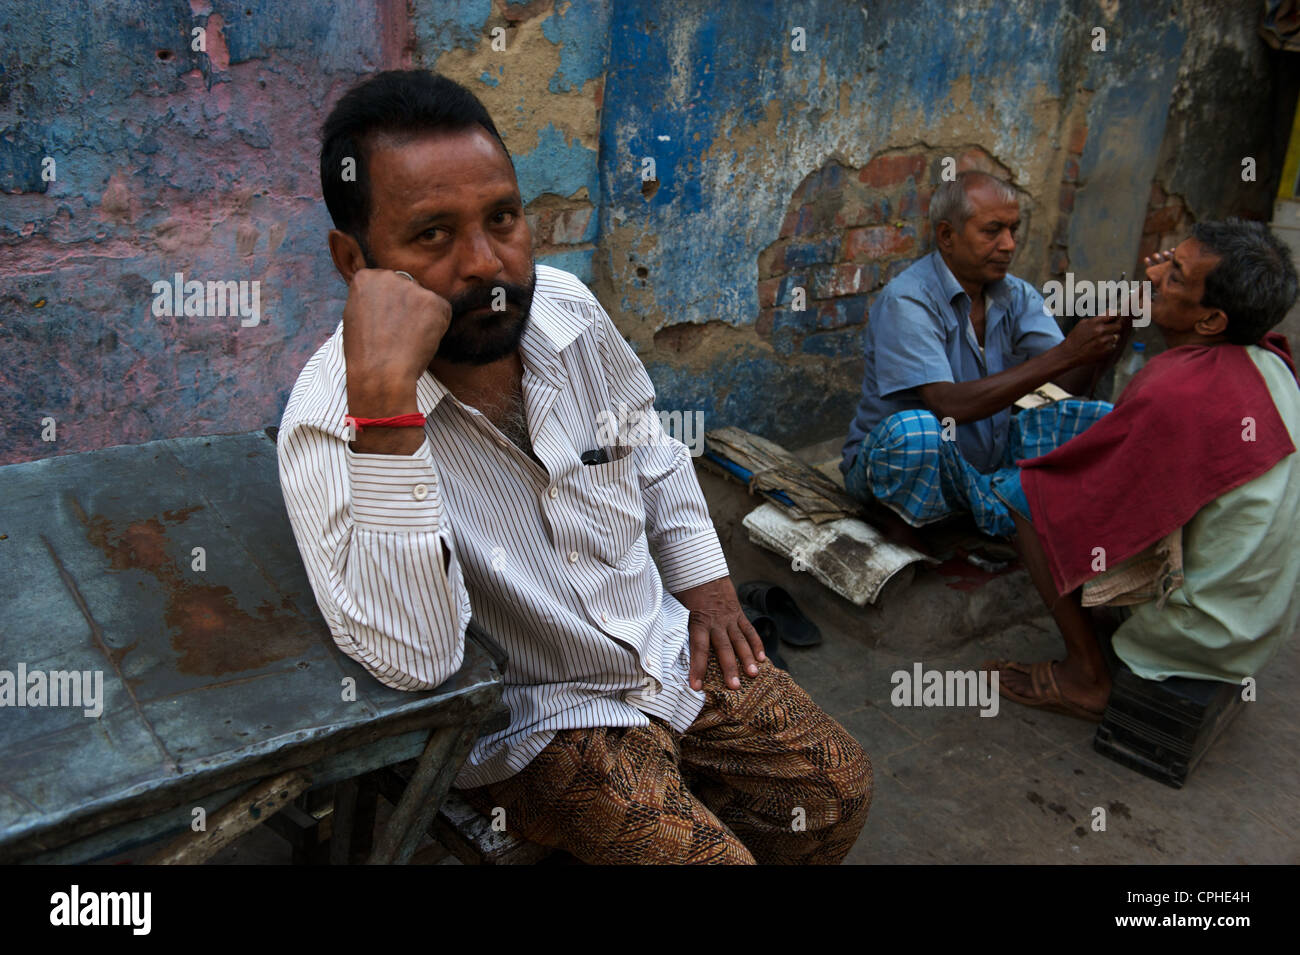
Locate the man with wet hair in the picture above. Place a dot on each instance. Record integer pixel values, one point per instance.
(443, 455)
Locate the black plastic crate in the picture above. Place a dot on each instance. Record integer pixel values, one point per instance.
(1162, 728)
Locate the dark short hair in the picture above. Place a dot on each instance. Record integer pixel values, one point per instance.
(1254, 282)
(400, 103)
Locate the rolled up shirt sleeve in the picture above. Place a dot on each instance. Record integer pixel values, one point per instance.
(1035, 330)
(910, 344)
(379, 554)
(678, 526)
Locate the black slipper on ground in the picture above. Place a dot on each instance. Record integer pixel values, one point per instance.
(770, 600)
(766, 628)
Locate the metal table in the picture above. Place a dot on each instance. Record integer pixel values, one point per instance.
(221, 684)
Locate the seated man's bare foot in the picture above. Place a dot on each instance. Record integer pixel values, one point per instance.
(1053, 685)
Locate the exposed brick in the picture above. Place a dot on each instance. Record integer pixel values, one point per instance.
(1164, 219)
(1067, 198)
(850, 310)
(788, 283)
(802, 253)
(822, 183)
(1158, 195)
(909, 203)
(825, 181)
(571, 226)
(789, 222)
(894, 269)
(1061, 233)
(789, 327)
(845, 279)
(925, 196)
(891, 170)
(1071, 173)
(767, 290)
(847, 343)
(1078, 139)
(806, 222)
(788, 319)
(1060, 263)
(763, 325)
(878, 242)
(770, 259)
(861, 211)
(541, 224)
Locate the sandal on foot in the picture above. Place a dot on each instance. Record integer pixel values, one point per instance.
(1046, 693)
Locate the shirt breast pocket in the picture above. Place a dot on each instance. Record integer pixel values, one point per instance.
(612, 507)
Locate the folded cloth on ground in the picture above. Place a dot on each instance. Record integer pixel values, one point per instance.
(1196, 422)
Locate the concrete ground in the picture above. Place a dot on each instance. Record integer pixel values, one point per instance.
(1020, 787)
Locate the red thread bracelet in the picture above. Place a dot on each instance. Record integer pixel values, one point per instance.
(415, 420)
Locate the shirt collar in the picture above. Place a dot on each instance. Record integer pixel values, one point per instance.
(997, 292)
(555, 321)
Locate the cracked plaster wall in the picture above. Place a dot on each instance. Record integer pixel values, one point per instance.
(205, 163)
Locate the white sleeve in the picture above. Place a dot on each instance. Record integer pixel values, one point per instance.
(379, 553)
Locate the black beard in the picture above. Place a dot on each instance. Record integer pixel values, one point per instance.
(487, 337)
(482, 339)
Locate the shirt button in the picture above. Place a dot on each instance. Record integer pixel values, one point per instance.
(419, 492)
(604, 618)
(554, 492)
(573, 557)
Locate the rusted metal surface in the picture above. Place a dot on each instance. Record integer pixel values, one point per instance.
(211, 676)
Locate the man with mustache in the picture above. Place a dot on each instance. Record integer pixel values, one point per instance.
(951, 344)
(1180, 506)
(647, 725)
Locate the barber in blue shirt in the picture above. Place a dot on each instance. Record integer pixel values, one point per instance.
(951, 343)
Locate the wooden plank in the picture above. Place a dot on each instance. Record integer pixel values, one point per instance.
(232, 821)
(465, 831)
(345, 808)
(414, 811)
(470, 837)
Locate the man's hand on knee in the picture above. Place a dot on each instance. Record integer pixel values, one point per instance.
(717, 622)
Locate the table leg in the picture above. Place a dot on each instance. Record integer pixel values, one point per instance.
(434, 774)
(233, 820)
(341, 821)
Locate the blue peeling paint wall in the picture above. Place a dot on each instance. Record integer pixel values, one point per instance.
(171, 159)
(699, 164)
(738, 105)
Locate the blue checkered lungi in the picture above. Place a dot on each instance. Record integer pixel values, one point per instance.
(905, 463)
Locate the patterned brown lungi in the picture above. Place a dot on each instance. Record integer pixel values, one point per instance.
(761, 775)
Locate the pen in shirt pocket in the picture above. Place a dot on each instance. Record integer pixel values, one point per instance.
(605, 455)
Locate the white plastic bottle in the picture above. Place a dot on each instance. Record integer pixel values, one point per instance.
(1128, 367)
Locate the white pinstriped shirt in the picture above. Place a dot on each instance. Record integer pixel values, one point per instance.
(555, 565)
